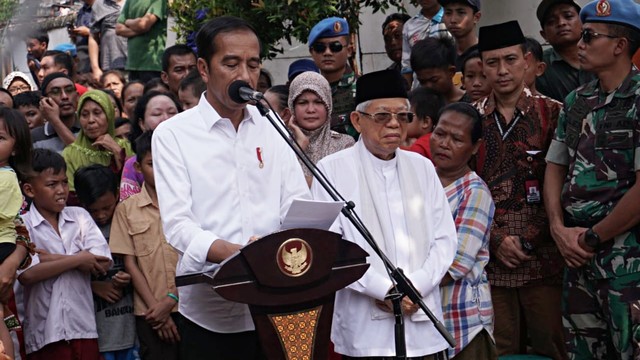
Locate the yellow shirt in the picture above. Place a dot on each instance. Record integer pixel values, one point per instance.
(10, 203)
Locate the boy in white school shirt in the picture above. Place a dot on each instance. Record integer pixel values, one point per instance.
(59, 321)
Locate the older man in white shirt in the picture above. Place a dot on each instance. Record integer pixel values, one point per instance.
(401, 201)
(223, 175)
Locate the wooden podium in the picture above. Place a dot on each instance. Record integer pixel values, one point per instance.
(289, 280)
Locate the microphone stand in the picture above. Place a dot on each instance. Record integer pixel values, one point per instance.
(403, 285)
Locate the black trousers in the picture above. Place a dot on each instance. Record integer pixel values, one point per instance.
(198, 343)
(151, 346)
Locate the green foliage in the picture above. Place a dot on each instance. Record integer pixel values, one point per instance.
(273, 19)
(6, 10)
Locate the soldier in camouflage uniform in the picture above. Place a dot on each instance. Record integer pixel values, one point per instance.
(330, 47)
(592, 191)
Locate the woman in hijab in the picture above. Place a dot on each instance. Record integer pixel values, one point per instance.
(96, 143)
(311, 106)
(18, 82)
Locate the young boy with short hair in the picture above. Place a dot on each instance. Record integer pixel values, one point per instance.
(28, 103)
(433, 61)
(137, 234)
(475, 84)
(425, 104)
(97, 189)
(191, 87)
(461, 18)
(536, 64)
(59, 321)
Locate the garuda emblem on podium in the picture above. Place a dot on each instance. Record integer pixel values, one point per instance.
(294, 257)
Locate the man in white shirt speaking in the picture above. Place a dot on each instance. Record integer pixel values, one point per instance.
(401, 201)
(223, 175)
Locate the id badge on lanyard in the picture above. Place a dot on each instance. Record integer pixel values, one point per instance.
(531, 183)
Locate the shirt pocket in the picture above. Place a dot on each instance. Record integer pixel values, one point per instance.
(143, 239)
(614, 154)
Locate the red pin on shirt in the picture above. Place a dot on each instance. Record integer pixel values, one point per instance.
(259, 156)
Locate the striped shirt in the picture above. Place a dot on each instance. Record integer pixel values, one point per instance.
(417, 28)
(466, 302)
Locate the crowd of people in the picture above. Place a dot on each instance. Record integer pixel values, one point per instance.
(500, 177)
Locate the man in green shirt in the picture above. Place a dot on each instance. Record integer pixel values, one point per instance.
(560, 27)
(144, 23)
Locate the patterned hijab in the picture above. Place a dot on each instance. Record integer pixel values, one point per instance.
(18, 75)
(322, 141)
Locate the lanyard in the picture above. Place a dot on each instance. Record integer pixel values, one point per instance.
(511, 126)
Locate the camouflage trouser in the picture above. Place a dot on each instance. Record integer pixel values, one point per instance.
(601, 317)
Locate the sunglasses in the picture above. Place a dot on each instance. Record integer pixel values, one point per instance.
(385, 117)
(335, 47)
(588, 36)
(57, 91)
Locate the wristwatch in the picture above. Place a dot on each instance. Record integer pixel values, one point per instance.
(591, 238)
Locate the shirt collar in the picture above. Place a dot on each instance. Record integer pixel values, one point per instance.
(50, 131)
(145, 198)
(437, 18)
(379, 164)
(629, 86)
(524, 102)
(210, 116)
(554, 56)
(39, 219)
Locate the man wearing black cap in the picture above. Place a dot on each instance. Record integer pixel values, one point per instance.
(561, 28)
(400, 199)
(525, 270)
(592, 188)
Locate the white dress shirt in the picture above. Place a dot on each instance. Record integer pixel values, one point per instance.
(359, 328)
(61, 308)
(216, 183)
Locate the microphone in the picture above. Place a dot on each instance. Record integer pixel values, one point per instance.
(241, 92)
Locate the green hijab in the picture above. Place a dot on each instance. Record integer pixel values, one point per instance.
(81, 153)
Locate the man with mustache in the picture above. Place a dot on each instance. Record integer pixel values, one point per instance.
(59, 103)
(560, 27)
(525, 270)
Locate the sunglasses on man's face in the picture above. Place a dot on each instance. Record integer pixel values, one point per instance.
(334, 46)
(588, 36)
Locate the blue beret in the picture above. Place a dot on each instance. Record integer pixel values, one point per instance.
(67, 48)
(621, 12)
(329, 27)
